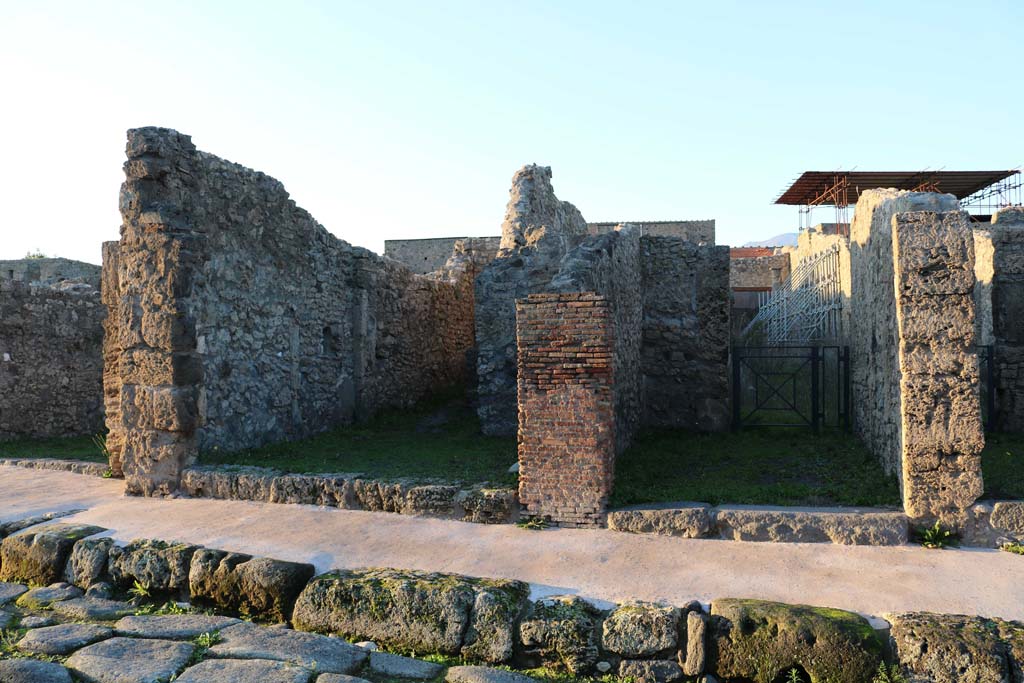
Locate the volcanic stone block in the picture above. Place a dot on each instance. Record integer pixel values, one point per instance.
(954, 649)
(130, 659)
(249, 641)
(758, 640)
(38, 555)
(161, 567)
(88, 562)
(562, 632)
(636, 630)
(687, 521)
(260, 587)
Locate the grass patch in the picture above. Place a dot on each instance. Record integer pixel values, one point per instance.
(71, 448)
(436, 440)
(754, 466)
(1002, 466)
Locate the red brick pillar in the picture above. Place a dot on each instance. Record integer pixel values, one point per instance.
(566, 406)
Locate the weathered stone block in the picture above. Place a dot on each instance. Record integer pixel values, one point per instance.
(161, 567)
(650, 670)
(793, 525)
(562, 632)
(689, 520)
(638, 629)
(1008, 516)
(261, 588)
(696, 646)
(39, 555)
(950, 648)
(757, 640)
(88, 562)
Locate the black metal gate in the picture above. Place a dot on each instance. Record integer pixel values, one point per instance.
(987, 371)
(791, 386)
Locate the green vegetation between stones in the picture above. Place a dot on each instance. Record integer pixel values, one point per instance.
(437, 440)
(1002, 466)
(71, 448)
(754, 466)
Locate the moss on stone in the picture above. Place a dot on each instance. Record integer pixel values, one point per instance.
(757, 639)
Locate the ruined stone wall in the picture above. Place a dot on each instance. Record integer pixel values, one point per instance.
(758, 272)
(243, 321)
(51, 362)
(538, 231)
(1006, 315)
(50, 271)
(114, 327)
(700, 231)
(914, 369)
(428, 255)
(566, 406)
(686, 332)
(609, 265)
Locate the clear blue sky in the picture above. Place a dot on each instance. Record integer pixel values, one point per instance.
(407, 119)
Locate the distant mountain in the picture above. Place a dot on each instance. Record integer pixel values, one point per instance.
(786, 239)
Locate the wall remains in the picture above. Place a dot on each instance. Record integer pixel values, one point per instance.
(240, 320)
(567, 420)
(538, 231)
(424, 256)
(699, 231)
(914, 370)
(51, 362)
(757, 272)
(686, 334)
(50, 271)
(1000, 299)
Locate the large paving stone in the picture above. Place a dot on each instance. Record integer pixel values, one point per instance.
(130, 660)
(687, 520)
(172, 626)
(38, 555)
(843, 526)
(650, 670)
(160, 566)
(759, 640)
(249, 641)
(92, 609)
(252, 670)
(561, 632)
(258, 587)
(41, 598)
(418, 611)
(945, 648)
(10, 591)
(638, 629)
(403, 667)
(484, 674)
(32, 671)
(62, 639)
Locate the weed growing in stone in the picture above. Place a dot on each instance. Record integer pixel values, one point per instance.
(794, 676)
(1015, 548)
(139, 591)
(936, 537)
(203, 643)
(889, 674)
(534, 523)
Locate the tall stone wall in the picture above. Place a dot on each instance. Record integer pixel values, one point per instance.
(51, 362)
(700, 231)
(914, 369)
(50, 271)
(758, 272)
(538, 231)
(114, 326)
(242, 321)
(567, 420)
(686, 331)
(609, 265)
(424, 256)
(1000, 301)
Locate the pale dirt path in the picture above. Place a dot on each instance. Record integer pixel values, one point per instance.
(597, 564)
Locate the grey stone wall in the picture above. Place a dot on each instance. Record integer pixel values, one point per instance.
(1002, 300)
(686, 332)
(538, 231)
(50, 271)
(609, 265)
(428, 255)
(51, 363)
(700, 231)
(763, 272)
(242, 321)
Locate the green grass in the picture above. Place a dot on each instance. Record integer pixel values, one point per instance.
(1002, 466)
(754, 466)
(437, 440)
(72, 448)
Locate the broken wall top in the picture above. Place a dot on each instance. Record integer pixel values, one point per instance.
(535, 217)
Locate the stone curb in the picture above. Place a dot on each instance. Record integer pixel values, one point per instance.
(95, 469)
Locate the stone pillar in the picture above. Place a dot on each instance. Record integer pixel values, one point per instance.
(942, 435)
(1007, 289)
(110, 290)
(565, 346)
(158, 367)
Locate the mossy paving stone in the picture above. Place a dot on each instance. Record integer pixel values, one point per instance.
(93, 609)
(758, 640)
(249, 641)
(484, 674)
(249, 670)
(130, 660)
(62, 639)
(32, 671)
(39, 555)
(172, 626)
(10, 591)
(403, 667)
(41, 598)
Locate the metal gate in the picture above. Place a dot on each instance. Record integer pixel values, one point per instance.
(791, 386)
(987, 372)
